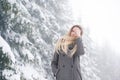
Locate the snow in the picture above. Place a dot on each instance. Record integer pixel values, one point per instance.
(12, 1)
(6, 49)
(23, 39)
(29, 73)
(26, 71)
(28, 53)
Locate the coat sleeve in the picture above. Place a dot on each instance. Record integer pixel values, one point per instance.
(54, 63)
(80, 48)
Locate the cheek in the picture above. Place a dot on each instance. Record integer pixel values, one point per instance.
(72, 33)
(79, 31)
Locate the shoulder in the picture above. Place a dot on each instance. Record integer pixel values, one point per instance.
(78, 40)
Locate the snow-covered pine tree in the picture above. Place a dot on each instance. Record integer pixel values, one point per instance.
(31, 27)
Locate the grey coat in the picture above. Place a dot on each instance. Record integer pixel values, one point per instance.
(66, 68)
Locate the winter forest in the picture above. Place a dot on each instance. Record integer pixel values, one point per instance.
(29, 30)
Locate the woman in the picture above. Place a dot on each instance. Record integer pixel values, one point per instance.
(66, 62)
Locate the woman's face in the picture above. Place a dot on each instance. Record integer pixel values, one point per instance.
(74, 31)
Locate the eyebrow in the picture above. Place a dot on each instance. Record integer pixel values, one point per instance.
(72, 30)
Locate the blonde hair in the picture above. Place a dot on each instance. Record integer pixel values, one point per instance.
(64, 41)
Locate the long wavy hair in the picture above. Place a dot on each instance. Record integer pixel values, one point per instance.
(65, 40)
